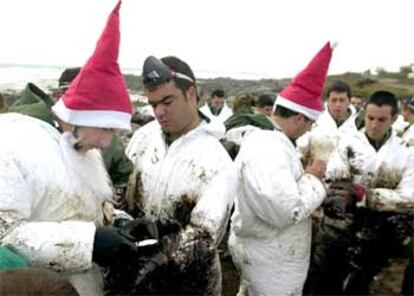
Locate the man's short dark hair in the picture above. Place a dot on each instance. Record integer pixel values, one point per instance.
(382, 97)
(67, 76)
(182, 67)
(340, 87)
(218, 93)
(283, 112)
(265, 100)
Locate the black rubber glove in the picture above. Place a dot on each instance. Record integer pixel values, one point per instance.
(141, 228)
(163, 230)
(341, 198)
(402, 224)
(334, 207)
(144, 228)
(113, 246)
(168, 227)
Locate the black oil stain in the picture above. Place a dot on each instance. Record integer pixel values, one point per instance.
(387, 178)
(183, 208)
(134, 194)
(350, 153)
(191, 279)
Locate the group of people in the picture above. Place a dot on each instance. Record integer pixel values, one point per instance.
(367, 214)
(178, 186)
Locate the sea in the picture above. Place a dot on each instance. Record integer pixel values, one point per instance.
(13, 78)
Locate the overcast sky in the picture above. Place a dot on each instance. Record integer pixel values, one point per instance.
(261, 38)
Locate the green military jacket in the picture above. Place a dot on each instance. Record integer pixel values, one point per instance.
(246, 116)
(34, 102)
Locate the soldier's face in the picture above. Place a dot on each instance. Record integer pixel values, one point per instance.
(378, 120)
(357, 102)
(266, 110)
(338, 103)
(174, 110)
(217, 102)
(302, 125)
(407, 113)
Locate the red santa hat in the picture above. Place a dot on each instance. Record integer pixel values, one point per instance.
(304, 92)
(98, 96)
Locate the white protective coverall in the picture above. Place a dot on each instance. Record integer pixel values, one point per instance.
(408, 135)
(50, 200)
(270, 235)
(323, 138)
(193, 170)
(387, 174)
(225, 112)
(399, 124)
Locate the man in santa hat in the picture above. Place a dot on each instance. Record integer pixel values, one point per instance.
(270, 235)
(117, 164)
(54, 187)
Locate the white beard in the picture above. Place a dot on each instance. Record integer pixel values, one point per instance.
(87, 166)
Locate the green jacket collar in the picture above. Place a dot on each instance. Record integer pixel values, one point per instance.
(35, 103)
(377, 145)
(245, 116)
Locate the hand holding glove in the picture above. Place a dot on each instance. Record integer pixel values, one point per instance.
(341, 198)
(113, 246)
(168, 227)
(146, 237)
(141, 229)
(163, 230)
(316, 167)
(144, 228)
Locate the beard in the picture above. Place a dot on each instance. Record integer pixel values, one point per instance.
(88, 167)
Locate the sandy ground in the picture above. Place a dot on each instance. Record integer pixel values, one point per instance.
(230, 276)
(388, 282)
